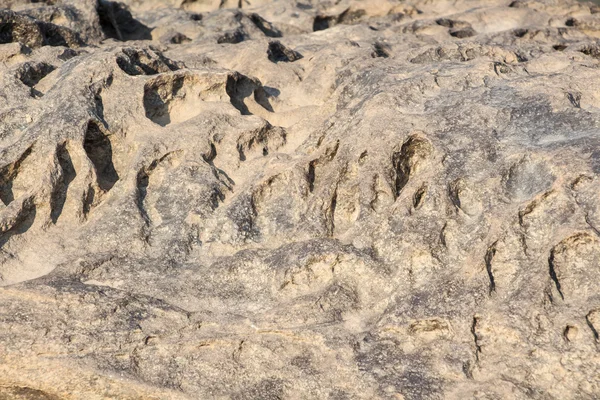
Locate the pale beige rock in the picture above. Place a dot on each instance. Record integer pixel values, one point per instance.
(299, 199)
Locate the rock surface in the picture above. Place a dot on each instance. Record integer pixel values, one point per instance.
(297, 199)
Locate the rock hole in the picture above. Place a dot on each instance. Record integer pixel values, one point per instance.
(380, 50)
(55, 35)
(24, 221)
(323, 22)
(489, 256)
(462, 33)
(7, 176)
(34, 33)
(277, 52)
(99, 150)
(445, 22)
(553, 276)
(310, 176)
(474, 329)
(570, 333)
(408, 159)
(232, 37)
(239, 87)
(331, 213)
(590, 319)
(363, 157)
(574, 99)
(32, 73)
(591, 50)
(179, 38)
(350, 16)
(88, 201)
(211, 155)
(419, 196)
(117, 22)
(68, 173)
(521, 32)
(144, 62)
(159, 99)
(142, 181)
(67, 54)
(240, 149)
(24, 393)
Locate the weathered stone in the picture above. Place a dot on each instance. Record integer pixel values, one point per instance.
(395, 200)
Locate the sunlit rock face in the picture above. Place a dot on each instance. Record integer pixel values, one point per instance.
(299, 199)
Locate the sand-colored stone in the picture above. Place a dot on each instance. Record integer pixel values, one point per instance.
(299, 199)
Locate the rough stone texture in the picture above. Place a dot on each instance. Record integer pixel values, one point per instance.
(299, 199)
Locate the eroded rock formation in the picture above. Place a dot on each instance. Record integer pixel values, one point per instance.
(299, 199)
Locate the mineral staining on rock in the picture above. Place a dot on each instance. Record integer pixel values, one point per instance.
(299, 199)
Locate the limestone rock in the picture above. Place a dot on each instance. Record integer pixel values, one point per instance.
(299, 199)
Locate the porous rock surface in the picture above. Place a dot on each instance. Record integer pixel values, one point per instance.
(299, 199)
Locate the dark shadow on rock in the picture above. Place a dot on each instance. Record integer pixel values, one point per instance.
(239, 86)
(157, 107)
(23, 29)
(179, 38)
(348, 16)
(23, 223)
(462, 33)
(7, 176)
(271, 91)
(277, 52)
(380, 50)
(24, 393)
(59, 195)
(323, 22)
(55, 35)
(232, 37)
(117, 22)
(99, 150)
(265, 26)
(32, 73)
(142, 62)
(142, 181)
